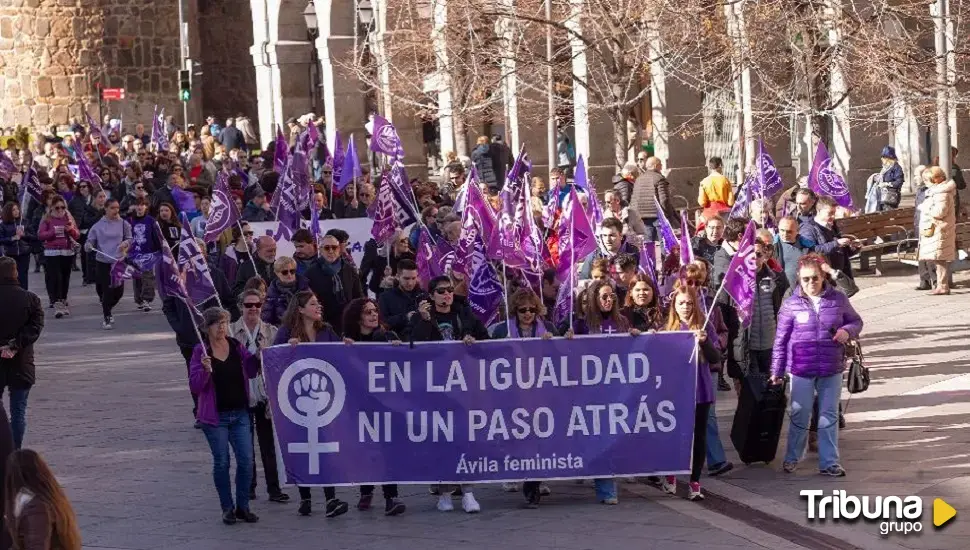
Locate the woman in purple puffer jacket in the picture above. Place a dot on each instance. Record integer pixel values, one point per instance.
(814, 324)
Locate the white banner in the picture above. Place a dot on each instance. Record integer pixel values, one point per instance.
(357, 228)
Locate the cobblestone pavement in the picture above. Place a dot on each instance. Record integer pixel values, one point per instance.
(112, 414)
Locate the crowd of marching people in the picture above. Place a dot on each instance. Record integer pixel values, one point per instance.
(475, 257)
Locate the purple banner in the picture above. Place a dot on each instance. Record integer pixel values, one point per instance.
(503, 410)
(686, 251)
(825, 181)
(667, 237)
(280, 152)
(223, 213)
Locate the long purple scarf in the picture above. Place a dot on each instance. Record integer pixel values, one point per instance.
(514, 328)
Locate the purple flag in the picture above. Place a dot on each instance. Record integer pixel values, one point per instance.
(184, 201)
(592, 202)
(825, 181)
(122, 271)
(425, 256)
(350, 169)
(477, 223)
(686, 252)
(666, 231)
(484, 288)
(337, 160)
(742, 202)
(564, 304)
(192, 262)
(280, 152)
(404, 210)
(385, 139)
(222, 212)
(30, 187)
(443, 259)
(648, 260)
(86, 173)
(314, 220)
(576, 238)
(312, 135)
(292, 191)
(95, 128)
(171, 281)
(766, 180)
(740, 277)
(383, 228)
(7, 167)
(159, 137)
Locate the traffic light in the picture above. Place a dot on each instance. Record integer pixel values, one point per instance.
(185, 85)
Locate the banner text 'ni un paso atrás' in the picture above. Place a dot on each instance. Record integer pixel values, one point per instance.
(491, 411)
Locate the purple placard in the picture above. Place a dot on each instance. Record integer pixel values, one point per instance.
(376, 413)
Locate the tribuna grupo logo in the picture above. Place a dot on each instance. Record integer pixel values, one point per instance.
(901, 515)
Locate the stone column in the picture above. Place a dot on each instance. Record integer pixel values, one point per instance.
(344, 96)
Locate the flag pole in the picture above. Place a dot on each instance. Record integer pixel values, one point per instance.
(505, 293)
(251, 259)
(707, 313)
(572, 270)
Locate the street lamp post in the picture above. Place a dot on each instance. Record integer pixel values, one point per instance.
(313, 31)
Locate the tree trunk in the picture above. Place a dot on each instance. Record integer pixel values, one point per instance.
(621, 140)
(461, 143)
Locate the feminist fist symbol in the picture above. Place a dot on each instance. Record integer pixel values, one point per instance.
(313, 395)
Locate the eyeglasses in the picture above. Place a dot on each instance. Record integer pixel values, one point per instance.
(527, 310)
(139, 188)
(330, 247)
(287, 272)
(253, 305)
(444, 290)
(812, 279)
(248, 233)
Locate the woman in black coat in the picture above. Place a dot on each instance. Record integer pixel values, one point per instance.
(374, 265)
(482, 157)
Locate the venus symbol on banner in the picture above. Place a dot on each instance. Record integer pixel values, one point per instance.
(826, 179)
(318, 396)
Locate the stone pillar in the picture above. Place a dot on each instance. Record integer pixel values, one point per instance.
(228, 82)
(344, 96)
(683, 157)
(283, 58)
(441, 81)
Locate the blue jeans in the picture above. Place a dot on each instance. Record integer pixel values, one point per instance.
(803, 390)
(18, 414)
(715, 450)
(605, 488)
(233, 429)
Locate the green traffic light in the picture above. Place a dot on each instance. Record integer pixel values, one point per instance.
(185, 95)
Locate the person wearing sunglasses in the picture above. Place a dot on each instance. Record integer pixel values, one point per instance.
(441, 318)
(362, 323)
(58, 232)
(334, 280)
(814, 324)
(146, 239)
(255, 335)
(282, 289)
(525, 322)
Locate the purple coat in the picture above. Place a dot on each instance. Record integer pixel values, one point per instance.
(803, 340)
(200, 381)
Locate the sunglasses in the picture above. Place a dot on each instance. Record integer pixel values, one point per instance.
(444, 290)
(57, 208)
(812, 279)
(248, 233)
(330, 247)
(527, 310)
(609, 297)
(287, 272)
(253, 305)
(369, 312)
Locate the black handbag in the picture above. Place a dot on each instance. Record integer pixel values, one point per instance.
(890, 197)
(858, 375)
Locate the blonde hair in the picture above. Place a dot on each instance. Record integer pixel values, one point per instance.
(482, 140)
(282, 262)
(937, 175)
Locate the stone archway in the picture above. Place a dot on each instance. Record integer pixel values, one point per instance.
(282, 56)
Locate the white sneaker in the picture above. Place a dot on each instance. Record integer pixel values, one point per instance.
(669, 485)
(510, 487)
(544, 490)
(469, 504)
(107, 324)
(444, 503)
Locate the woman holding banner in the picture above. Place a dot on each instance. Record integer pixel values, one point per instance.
(642, 308)
(303, 322)
(362, 323)
(602, 316)
(527, 323)
(686, 314)
(219, 373)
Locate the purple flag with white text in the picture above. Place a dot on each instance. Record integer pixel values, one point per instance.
(350, 169)
(667, 237)
(385, 139)
(825, 181)
(477, 224)
(739, 280)
(192, 262)
(30, 187)
(337, 158)
(648, 260)
(7, 167)
(576, 238)
(592, 202)
(94, 127)
(425, 254)
(159, 137)
(765, 180)
(223, 214)
(742, 202)
(86, 173)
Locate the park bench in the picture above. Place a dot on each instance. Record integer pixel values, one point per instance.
(879, 232)
(910, 257)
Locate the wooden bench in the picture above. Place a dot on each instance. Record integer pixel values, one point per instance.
(963, 249)
(879, 232)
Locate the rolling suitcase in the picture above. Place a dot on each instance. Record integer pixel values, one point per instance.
(758, 419)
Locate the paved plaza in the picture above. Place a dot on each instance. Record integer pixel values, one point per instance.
(112, 413)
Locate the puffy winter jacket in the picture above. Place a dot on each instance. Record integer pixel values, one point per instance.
(278, 299)
(804, 342)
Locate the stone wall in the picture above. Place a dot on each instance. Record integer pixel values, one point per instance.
(54, 53)
(229, 80)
